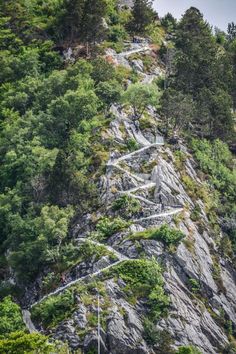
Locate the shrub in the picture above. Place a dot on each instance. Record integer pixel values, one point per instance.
(164, 234)
(89, 250)
(109, 92)
(51, 281)
(151, 334)
(188, 350)
(194, 285)
(21, 343)
(165, 343)
(216, 161)
(10, 317)
(132, 145)
(143, 278)
(54, 309)
(117, 33)
(108, 227)
(226, 247)
(139, 96)
(180, 158)
(127, 203)
(195, 214)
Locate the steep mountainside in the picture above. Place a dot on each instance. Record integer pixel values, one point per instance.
(143, 189)
(117, 180)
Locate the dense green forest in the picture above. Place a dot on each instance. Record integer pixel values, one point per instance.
(54, 111)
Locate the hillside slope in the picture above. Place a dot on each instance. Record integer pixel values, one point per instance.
(117, 180)
(149, 186)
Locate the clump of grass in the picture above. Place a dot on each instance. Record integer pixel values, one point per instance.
(127, 205)
(106, 227)
(165, 234)
(144, 280)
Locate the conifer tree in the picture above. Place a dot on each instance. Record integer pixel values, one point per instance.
(142, 15)
(83, 20)
(200, 71)
(92, 27)
(196, 53)
(231, 31)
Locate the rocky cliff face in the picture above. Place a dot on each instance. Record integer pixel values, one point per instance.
(200, 284)
(164, 199)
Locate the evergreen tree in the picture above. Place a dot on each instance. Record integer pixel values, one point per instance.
(71, 19)
(231, 31)
(201, 71)
(196, 54)
(142, 15)
(92, 28)
(177, 109)
(169, 23)
(213, 115)
(232, 57)
(83, 20)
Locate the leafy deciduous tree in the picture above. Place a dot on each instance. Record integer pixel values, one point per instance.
(139, 96)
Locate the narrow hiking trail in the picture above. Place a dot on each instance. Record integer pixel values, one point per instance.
(145, 185)
(120, 257)
(161, 215)
(142, 185)
(141, 47)
(75, 281)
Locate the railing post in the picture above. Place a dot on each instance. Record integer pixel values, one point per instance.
(99, 326)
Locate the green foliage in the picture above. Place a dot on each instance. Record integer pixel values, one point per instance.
(116, 16)
(180, 158)
(65, 113)
(126, 205)
(177, 109)
(165, 343)
(38, 241)
(200, 191)
(194, 285)
(216, 161)
(231, 55)
(206, 80)
(132, 145)
(188, 350)
(142, 16)
(169, 23)
(83, 20)
(102, 71)
(231, 31)
(21, 343)
(139, 96)
(214, 114)
(89, 250)
(164, 234)
(55, 308)
(50, 150)
(117, 33)
(10, 317)
(194, 70)
(230, 348)
(151, 334)
(226, 246)
(109, 92)
(195, 214)
(143, 279)
(107, 227)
